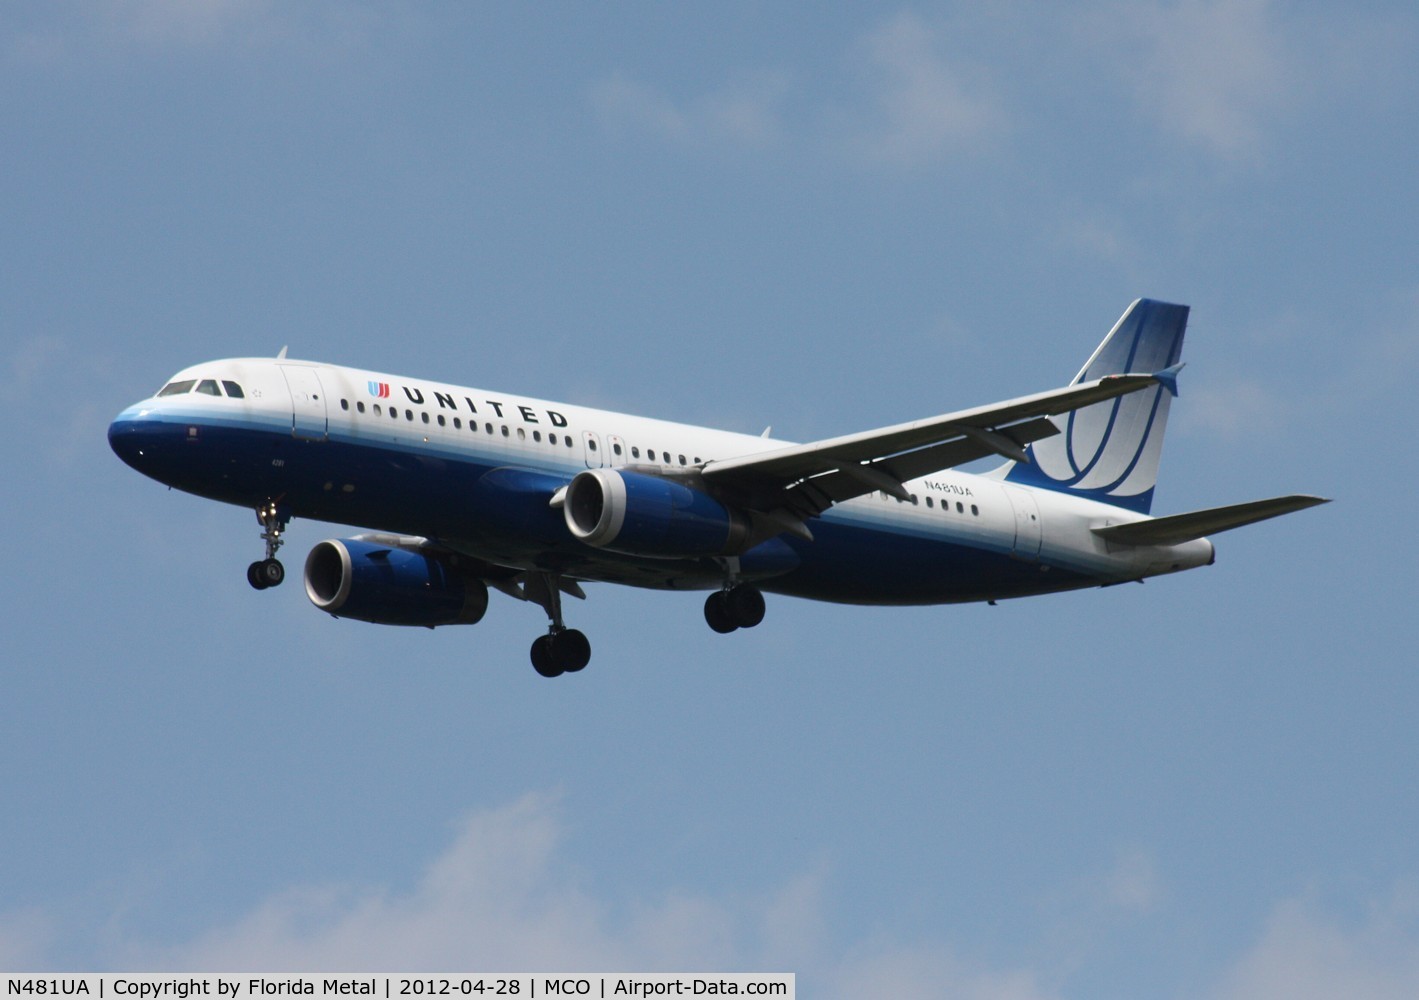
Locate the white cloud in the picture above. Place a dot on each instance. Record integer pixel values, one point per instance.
(1213, 71)
(501, 896)
(745, 111)
(185, 22)
(905, 973)
(913, 106)
(924, 105)
(1133, 886)
(1240, 410)
(1304, 954)
(59, 427)
(25, 937)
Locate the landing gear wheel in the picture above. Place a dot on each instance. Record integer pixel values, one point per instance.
(542, 659)
(265, 573)
(718, 613)
(561, 652)
(746, 605)
(741, 606)
(572, 650)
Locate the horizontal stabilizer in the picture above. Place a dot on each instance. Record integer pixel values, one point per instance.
(1180, 528)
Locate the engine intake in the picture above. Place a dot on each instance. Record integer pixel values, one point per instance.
(648, 516)
(392, 584)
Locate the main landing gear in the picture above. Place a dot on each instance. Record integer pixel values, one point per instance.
(269, 572)
(562, 650)
(735, 607)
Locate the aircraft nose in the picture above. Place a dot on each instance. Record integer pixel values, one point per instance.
(130, 435)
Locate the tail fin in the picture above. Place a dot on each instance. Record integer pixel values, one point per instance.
(1109, 451)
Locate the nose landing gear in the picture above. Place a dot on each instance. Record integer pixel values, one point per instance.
(269, 572)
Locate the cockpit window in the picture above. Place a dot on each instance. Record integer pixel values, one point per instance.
(233, 390)
(177, 388)
(208, 387)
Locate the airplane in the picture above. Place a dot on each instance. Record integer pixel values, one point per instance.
(463, 490)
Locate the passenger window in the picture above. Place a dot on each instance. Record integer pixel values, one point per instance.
(521, 434)
(616, 447)
(425, 416)
(344, 404)
(208, 387)
(960, 508)
(537, 436)
(975, 511)
(360, 407)
(233, 390)
(590, 444)
(635, 451)
(682, 459)
(378, 410)
(504, 430)
(177, 388)
(457, 423)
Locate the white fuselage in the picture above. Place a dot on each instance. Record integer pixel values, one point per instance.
(476, 470)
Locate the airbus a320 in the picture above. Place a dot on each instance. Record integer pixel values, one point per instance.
(464, 490)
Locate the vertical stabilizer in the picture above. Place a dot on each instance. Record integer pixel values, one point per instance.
(1109, 451)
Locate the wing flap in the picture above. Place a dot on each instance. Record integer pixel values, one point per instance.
(1179, 528)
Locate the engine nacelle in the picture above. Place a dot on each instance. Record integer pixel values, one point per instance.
(648, 516)
(392, 582)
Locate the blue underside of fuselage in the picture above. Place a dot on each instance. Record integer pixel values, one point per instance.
(498, 511)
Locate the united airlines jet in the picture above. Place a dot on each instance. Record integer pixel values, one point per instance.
(464, 490)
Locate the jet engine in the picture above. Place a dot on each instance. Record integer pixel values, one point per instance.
(648, 516)
(393, 581)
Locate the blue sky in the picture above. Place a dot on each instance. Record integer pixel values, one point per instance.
(740, 215)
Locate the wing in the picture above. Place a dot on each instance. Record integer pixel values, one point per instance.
(802, 481)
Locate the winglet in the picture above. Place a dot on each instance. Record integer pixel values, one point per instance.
(1168, 378)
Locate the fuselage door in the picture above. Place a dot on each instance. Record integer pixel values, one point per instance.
(591, 444)
(1027, 522)
(618, 451)
(308, 417)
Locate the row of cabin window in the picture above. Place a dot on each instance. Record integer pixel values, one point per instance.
(552, 438)
(945, 504)
(442, 420)
(650, 454)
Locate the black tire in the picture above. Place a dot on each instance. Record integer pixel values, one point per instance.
(746, 605)
(542, 659)
(571, 650)
(255, 577)
(718, 614)
(272, 572)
